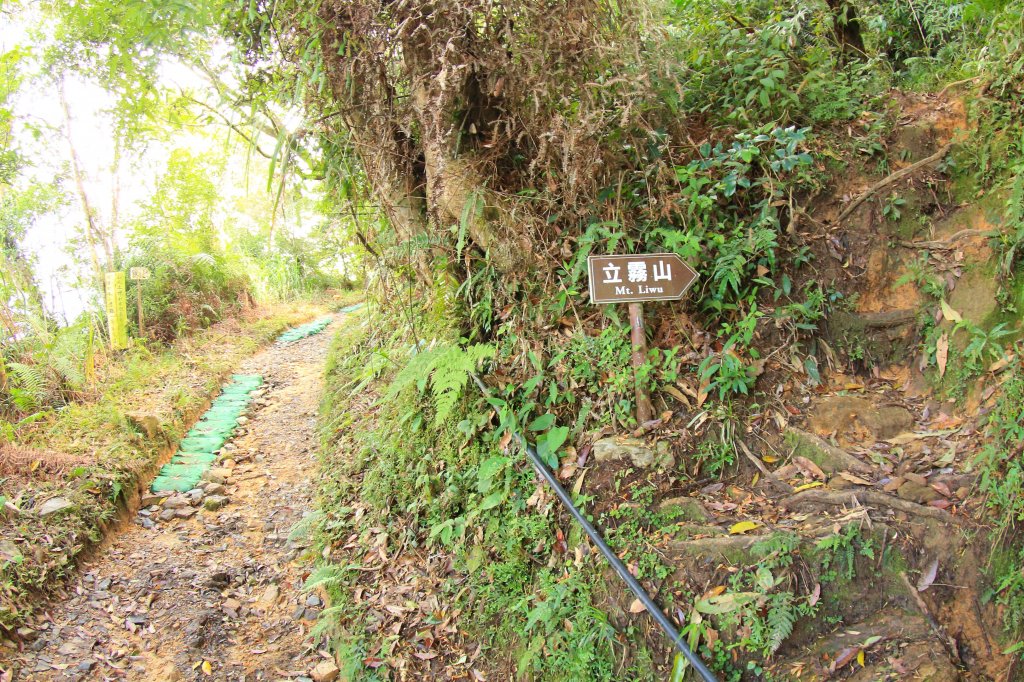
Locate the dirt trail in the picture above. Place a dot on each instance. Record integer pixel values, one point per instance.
(216, 595)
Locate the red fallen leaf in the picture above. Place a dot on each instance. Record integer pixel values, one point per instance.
(942, 353)
(792, 410)
(560, 546)
(373, 662)
(809, 468)
(845, 656)
(815, 595)
(941, 488)
(425, 655)
(940, 504)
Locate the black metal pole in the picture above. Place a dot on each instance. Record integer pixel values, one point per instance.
(632, 583)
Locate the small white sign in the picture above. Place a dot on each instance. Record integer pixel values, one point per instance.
(135, 274)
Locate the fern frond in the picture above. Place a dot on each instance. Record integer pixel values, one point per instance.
(31, 380)
(782, 617)
(69, 371)
(303, 530)
(445, 370)
(324, 576)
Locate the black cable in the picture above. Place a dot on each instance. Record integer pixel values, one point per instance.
(632, 583)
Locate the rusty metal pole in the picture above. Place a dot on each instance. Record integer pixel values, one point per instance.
(638, 335)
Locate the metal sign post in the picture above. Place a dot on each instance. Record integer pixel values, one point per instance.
(634, 279)
(137, 275)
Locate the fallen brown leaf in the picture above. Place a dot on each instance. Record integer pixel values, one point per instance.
(942, 353)
(928, 575)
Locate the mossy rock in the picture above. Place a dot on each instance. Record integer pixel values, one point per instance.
(685, 509)
(874, 338)
(828, 457)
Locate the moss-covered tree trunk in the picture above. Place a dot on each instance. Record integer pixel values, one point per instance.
(457, 110)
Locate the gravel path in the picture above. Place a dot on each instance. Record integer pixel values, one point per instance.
(210, 594)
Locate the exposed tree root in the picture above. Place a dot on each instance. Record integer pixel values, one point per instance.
(823, 500)
(895, 177)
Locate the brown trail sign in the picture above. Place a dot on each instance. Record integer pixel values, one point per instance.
(637, 278)
(634, 279)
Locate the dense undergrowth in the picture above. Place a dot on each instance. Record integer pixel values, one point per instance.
(419, 470)
(451, 484)
(780, 115)
(95, 451)
(497, 153)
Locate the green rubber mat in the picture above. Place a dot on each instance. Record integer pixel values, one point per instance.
(297, 333)
(197, 450)
(183, 470)
(350, 308)
(172, 484)
(202, 444)
(210, 431)
(223, 413)
(194, 458)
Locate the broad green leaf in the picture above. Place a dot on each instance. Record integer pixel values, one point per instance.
(725, 603)
(542, 423)
(492, 500)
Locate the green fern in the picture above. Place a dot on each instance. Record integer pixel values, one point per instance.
(444, 370)
(782, 616)
(325, 576)
(31, 382)
(303, 530)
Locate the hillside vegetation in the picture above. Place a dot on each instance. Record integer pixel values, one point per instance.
(830, 488)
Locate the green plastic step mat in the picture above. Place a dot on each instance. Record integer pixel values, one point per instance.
(194, 458)
(350, 308)
(223, 413)
(196, 450)
(218, 428)
(217, 419)
(231, 398)
(210, 432)
(239, 388)
(296, 333)
(202, 444)
(228, 406)
(241, 399)
(225, 409)
(184, 470)
(173, 484)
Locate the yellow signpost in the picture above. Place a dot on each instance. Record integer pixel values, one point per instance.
(117, 310)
